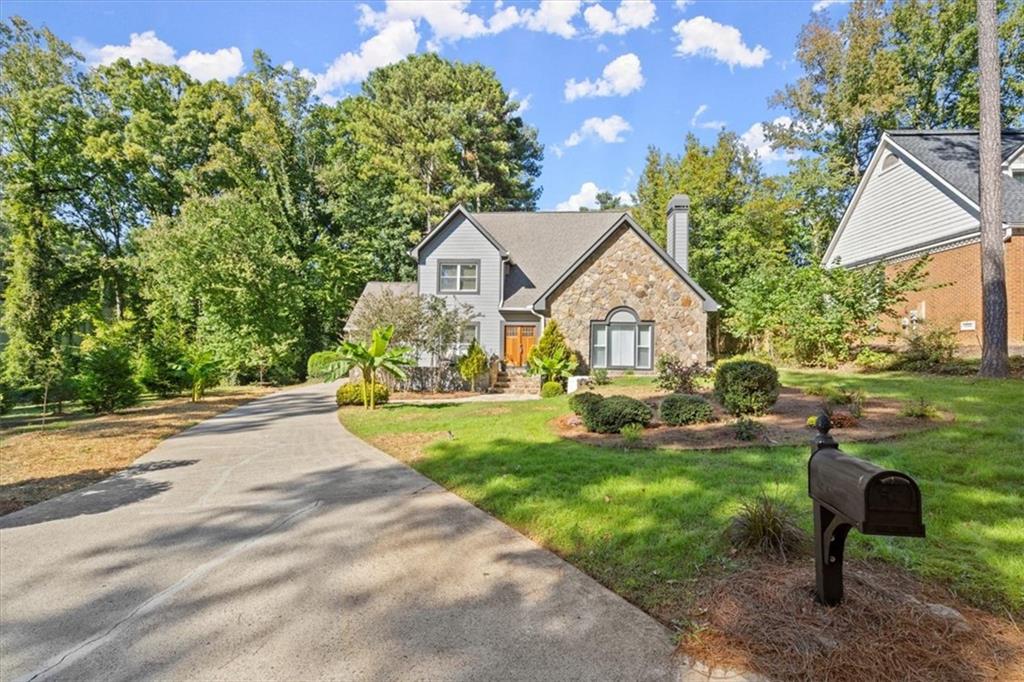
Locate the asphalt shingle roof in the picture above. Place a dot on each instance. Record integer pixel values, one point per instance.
(953, 155)
(373, 289)
(542, 245)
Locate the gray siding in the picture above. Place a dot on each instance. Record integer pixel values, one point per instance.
(460, 240)
(898, 209)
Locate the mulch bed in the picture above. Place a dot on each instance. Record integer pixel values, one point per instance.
(785, 424)
(889, 627)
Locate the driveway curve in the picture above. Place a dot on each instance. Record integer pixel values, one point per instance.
(269, 543)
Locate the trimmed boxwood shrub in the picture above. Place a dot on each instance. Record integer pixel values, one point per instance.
(746, 386)
(551, 389)
(680, 409)
(582, 402)
(352, 394)
(316, 366)
(614, 412)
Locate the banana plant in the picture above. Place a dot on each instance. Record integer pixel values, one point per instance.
(558, 366)
(370, 359)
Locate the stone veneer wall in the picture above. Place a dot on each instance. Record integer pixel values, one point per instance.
(625, 271)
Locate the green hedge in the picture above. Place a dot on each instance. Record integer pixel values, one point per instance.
(352, 394)
(746, 386)
(614, 412)
(316, 366)
(551, 389)
(680, 409)
(581, 402)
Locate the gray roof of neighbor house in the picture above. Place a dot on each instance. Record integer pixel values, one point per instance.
(375, 289)
(542, 246)
(953, 156)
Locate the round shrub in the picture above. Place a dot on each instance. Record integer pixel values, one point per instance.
(352, 394)
(582, 402)
(614, 412)
(680, 409)
(551, 389)
(746, 386)
(316, 366)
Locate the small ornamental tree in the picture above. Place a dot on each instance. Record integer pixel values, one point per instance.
(552, 341)
(106, 379)
(473, 364)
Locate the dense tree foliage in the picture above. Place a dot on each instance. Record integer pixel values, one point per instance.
(232, 222)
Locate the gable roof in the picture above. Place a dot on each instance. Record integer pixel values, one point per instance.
(541, 245)
(458, 210)
(948, 158)
(626, 220)
(953, 156)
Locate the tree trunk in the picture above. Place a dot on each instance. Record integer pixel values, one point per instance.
(994, 358)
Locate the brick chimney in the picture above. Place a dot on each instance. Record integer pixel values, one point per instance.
(678, 233)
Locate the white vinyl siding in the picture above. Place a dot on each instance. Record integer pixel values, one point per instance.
(461, 243)
(897, 210)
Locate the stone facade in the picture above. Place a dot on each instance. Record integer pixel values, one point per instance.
(625, 271)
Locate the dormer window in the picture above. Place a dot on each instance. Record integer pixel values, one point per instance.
(458, 277)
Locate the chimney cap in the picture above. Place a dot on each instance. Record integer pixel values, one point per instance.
(678, 202)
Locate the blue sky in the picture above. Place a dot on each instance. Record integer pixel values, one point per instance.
(600, 80)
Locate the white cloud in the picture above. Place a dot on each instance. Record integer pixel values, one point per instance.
(448, 19)
(756, 141)
(552, 16)
(825, 4)
(223, 64)
(620, 77)
(703, 37)
(587, 198)
(605, 129)
(629, 15)
(393, 43)
(695, 121)
(524, 102)
(683, 4)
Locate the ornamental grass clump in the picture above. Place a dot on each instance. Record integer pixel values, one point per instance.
(746, 386)
(680, 409)
(614, 412)
(632, 434)
(767, 526)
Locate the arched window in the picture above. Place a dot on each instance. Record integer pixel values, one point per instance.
(890, 161)
(621, 341)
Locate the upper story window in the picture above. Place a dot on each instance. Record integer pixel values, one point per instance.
(458, 277)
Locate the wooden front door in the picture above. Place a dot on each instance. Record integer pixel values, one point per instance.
(519, 340)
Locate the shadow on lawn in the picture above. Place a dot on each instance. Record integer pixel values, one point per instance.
(116, 488)
(328, 570)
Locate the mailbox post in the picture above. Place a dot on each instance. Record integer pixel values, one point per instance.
(852, 493)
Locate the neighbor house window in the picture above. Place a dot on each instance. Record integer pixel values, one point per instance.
(1017, 174)
(458, 277)
(621, 341)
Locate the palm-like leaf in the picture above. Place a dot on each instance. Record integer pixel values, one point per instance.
(369, 359)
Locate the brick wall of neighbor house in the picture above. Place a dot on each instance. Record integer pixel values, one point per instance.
(951, 293)
(625, 271)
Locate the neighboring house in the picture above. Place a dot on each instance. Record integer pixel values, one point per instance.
(919, 196)
(618, 297)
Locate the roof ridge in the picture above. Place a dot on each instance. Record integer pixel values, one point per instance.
(609, 211)
(945, 131)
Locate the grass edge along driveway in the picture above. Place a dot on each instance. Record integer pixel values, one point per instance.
(649, 523)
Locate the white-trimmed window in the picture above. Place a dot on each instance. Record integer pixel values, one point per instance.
(622, 341)
(458, 277)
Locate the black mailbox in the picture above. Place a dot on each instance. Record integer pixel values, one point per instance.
(850, 492)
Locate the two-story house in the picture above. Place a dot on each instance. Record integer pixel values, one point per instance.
(618, 297)
(919, 197)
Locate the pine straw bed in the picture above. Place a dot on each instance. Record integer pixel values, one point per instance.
(764, 619)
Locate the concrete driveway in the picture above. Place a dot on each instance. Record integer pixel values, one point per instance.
(269, 543)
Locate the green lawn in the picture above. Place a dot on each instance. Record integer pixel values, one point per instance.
(647, 523)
